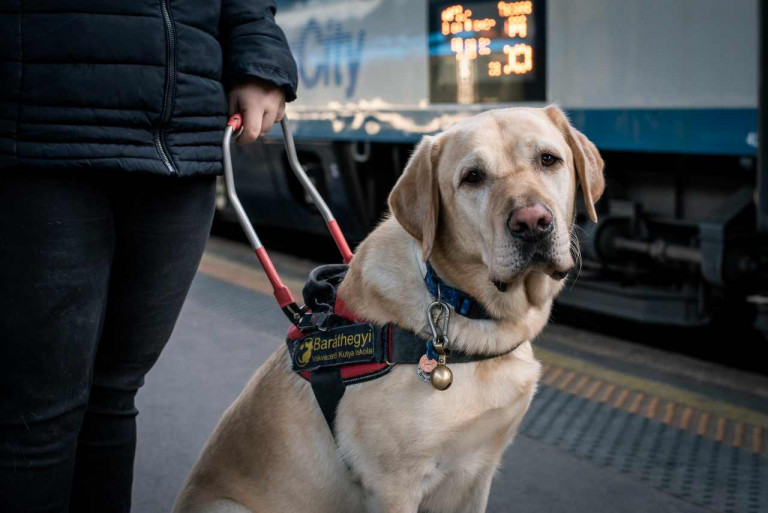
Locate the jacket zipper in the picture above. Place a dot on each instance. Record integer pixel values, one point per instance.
(170, 89)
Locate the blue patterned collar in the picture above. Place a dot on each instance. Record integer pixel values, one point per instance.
(461, 302)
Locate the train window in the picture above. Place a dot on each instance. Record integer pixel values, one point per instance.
(487, 52)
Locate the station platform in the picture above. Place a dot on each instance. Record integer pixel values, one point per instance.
(615, 426)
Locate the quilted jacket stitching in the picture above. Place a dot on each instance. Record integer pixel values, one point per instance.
(194, 126)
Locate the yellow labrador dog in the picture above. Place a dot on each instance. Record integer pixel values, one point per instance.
(490, 204)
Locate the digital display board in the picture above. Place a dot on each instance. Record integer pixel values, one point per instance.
(487, 52)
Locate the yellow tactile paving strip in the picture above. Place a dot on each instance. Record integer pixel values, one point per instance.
(707, 420)
(699, 414)
(242, 275)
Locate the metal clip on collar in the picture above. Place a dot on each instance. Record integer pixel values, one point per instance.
(442, 376)
(435, 311)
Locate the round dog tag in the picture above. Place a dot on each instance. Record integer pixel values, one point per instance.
(427, 364)
(425, 368)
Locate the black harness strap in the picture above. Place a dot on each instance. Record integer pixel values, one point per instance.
(408, 347)
(328, 388)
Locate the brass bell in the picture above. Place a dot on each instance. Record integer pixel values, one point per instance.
(442, 377)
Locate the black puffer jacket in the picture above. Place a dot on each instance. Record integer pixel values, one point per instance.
(136, 85)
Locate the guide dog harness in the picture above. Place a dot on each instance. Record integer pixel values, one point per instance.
(332, 349)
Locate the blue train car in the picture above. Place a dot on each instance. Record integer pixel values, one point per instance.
(668, 91)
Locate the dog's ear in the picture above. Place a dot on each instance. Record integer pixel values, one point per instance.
(415, 199)
(589, 164)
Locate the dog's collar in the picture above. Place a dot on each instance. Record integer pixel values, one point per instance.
(462, 303)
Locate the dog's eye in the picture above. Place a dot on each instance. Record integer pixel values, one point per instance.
(473, 176)
(547, 159)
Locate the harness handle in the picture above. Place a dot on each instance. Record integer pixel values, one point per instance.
(317, 199)
(282, 294)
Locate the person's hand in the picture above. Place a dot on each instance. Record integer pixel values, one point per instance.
(261, 104)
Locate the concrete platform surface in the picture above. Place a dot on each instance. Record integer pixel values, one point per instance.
(598, 438)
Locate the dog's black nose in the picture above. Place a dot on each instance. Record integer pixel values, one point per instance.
(531, 222)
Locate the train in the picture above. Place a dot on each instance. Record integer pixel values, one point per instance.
(668, 92)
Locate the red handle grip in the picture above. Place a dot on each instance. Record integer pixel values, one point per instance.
(281, 292)
(341, 242)
(236, 121)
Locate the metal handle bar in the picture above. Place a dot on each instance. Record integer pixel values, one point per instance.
(293, 160)
(280, 291)
(309, 187)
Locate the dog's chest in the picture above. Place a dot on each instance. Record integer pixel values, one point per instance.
(402, 421)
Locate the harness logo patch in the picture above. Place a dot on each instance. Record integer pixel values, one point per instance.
(337, 346)
(304, 353)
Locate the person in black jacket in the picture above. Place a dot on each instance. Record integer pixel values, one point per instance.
(111, 120)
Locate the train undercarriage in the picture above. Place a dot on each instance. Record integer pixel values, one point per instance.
(676, 244)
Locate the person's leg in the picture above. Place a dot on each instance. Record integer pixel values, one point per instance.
(56, 242)
(162, 226)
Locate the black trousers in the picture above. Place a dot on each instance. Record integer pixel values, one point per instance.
(94, 269)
